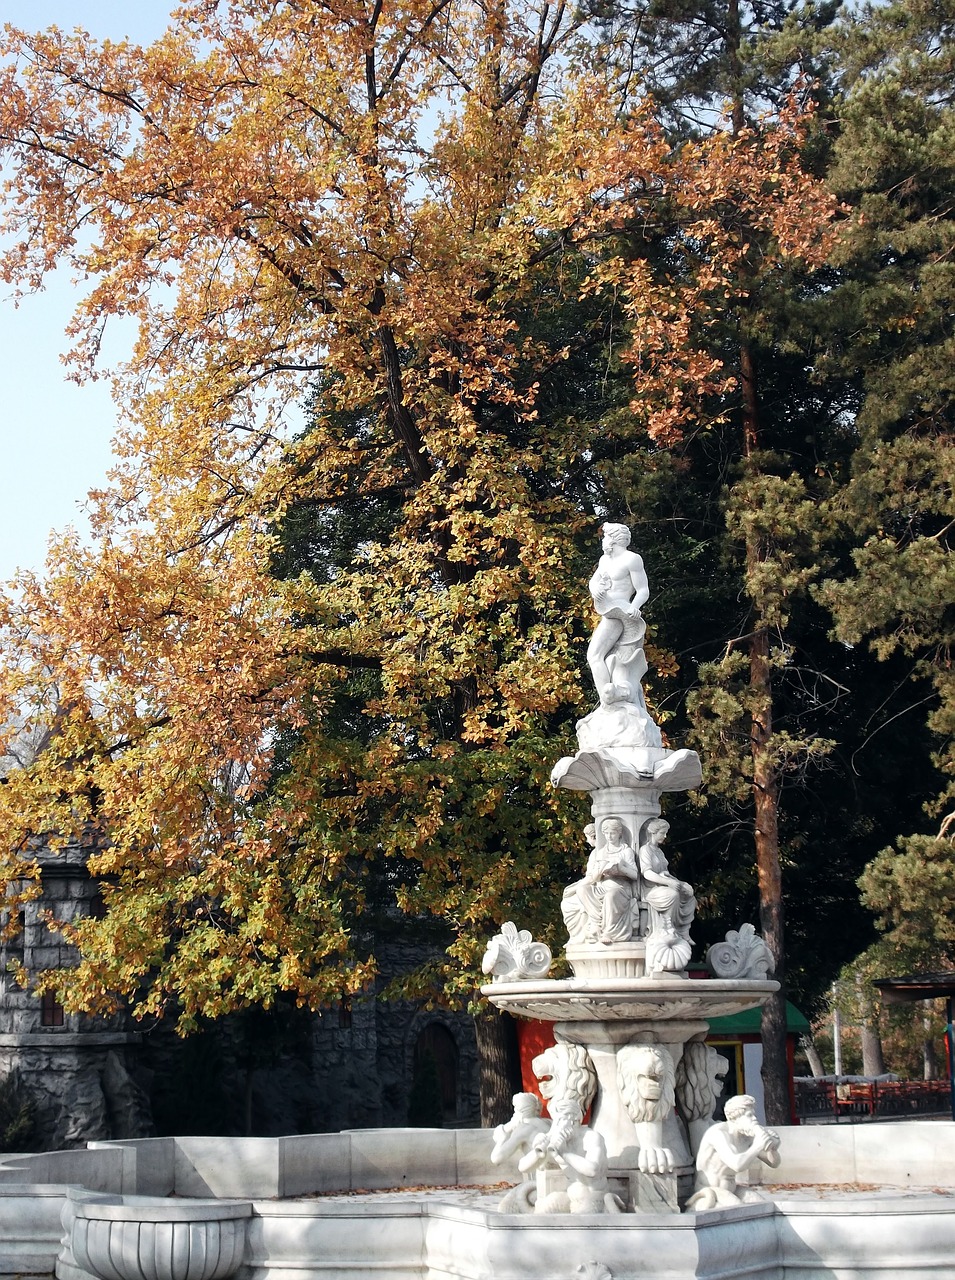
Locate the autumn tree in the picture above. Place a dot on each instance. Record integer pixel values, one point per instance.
(374, 199)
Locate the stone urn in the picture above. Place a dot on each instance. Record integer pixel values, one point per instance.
(154, 1238)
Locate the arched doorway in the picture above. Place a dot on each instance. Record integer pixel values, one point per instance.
(434, 1090)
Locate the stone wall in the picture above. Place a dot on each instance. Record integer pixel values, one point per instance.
(78, 1069)
(350, 1066)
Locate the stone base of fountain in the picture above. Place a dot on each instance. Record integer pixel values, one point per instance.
(620, 1023)
(303, 1220)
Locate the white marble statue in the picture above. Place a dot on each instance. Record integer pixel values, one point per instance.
(603, 907)
(513, 954)
(619, 743)
(512, 1141)
(671, 902)
(516, 1136)
(729, 1149)
(699, 1085)
(616, 658)
(742, 954)
(619, 589)
(581, 1155)
(647, 1079)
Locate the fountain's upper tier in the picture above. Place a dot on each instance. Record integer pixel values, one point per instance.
(632, 768)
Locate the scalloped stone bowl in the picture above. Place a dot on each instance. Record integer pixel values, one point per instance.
(137, 1240)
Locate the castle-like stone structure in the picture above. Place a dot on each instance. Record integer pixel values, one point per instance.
(360, 1064)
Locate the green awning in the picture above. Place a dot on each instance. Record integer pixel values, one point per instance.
(747, 1024)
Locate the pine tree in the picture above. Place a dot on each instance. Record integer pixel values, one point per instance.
(894, 163)
(730, 69)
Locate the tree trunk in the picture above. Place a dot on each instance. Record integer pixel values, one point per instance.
(775, 1070)
(500, 1066)
(929, 1055)
(812, 1056)
(873, 1061)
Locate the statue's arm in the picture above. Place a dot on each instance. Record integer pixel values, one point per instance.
(506, 1142)
(628, 865)
(583, 1167)
(650, 873)
(536, 1156)
(638, 580)
(770, 1149)
(724, 1150)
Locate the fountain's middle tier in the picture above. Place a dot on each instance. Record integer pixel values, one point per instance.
(651, 1000)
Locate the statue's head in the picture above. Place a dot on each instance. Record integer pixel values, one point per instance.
(647, 1079)
(612, 829)
(527, 1106)
(565, 1071)
(657, 829)
(716, 1069)
(618, 535)
(740, 1113)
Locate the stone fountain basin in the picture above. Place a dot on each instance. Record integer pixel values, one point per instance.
(628, 999)
(892, 1216)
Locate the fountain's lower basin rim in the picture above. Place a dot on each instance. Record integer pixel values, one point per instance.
(635, 999)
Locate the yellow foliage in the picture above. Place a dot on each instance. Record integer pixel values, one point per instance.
(366, 197)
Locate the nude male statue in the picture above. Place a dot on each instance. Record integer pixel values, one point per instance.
(619, 588)
(728, 1149)
(515, 1138)
(581, 1154)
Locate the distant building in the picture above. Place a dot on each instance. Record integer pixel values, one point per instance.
(359, 1064)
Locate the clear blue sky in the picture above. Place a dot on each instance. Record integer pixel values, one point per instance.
(56, 436)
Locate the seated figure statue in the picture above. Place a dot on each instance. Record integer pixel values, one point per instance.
(671, 902)
(728, 1149)
(603, 906)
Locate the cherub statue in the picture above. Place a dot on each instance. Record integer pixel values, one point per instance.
(728, 1149)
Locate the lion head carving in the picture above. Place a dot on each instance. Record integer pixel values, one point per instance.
(647, 1078)
(565, 1071)
(699, 1080)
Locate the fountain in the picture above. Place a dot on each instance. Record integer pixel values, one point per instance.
(630, 1026)
(650, 1188)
